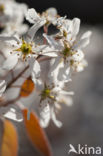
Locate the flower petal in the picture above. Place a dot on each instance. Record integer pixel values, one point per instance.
(44, 115)
(54, 119)
(51, 12)
(32, 31)
(2, 87)
(12, 114)
(65, 92)
(10, 63)
(32, 16)
(85, 39)
(6, 38)
(75, 27)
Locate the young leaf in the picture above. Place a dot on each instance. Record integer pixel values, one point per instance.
(9, 145)
(27, 88)
(36, 134)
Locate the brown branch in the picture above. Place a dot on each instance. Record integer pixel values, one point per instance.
(16, 78)
(6, 103)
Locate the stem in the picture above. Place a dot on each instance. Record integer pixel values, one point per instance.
(46, 32)
(15, 79)
(4, 104)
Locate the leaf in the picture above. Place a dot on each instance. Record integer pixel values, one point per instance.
(1, 131)
(9, 145)
(27, 88)
(36, 134)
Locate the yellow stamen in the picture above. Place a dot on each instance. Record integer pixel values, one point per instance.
(25, 48)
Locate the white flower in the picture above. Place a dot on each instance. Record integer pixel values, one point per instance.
(69, 49)
(69, 29)
(21, 51)
(48, 17)
(50, 97)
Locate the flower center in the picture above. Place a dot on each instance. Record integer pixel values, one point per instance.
(1, 9)
(45, 94)
(26, 49)
(66, 52)
(65, 33)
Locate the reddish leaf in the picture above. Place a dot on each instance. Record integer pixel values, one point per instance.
(9, 145)
(27, 88)
(36, 134)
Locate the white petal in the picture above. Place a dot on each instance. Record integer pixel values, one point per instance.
(75, 26)
(67, 100)
(54, 119)
(78, 56)
(2, 87)
(85, 39)
(2, 82)
(66, 93)
(52, 42)
(34, 67)
(50, 54)
(12, 115)
(45, 115)
(51, 11)
(6, 38)
(64, 73)
(32, 31)
(32, 16)
(86, 35)
(10, 63)
(81, 65)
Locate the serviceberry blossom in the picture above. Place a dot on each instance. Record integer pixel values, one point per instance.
(45, 67)
(51, 95)
(49, 16)
(68, 48)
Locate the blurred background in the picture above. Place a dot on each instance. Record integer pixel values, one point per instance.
(83, 121)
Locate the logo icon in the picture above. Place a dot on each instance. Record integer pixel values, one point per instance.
(84, 150)
(72, 149)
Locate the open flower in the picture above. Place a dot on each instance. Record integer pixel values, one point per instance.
(68, 49)
(49, 16)
(50, 95)
(20, 49)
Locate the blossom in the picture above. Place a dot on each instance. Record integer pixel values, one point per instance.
(68, 49)
(48, 65)
(50, 95)
(49, 16)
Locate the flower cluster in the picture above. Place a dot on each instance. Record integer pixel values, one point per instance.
(48, 62)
